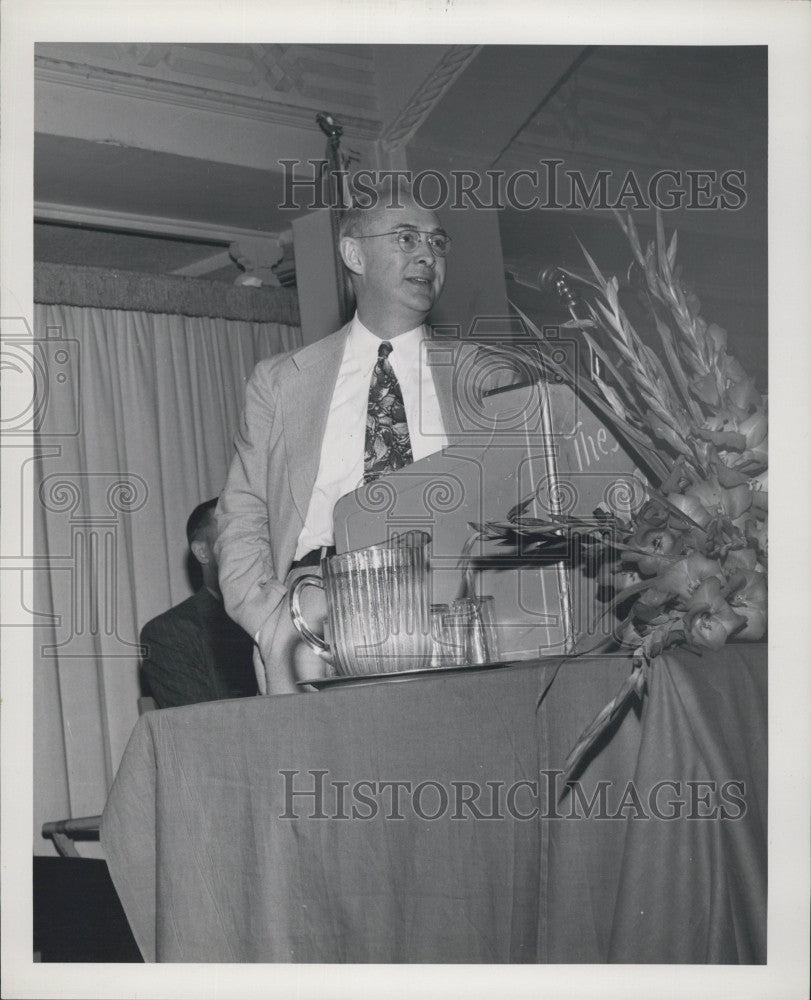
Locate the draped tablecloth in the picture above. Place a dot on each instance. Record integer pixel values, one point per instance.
(426, 820)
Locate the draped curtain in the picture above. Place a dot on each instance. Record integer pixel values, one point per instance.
(137, 429)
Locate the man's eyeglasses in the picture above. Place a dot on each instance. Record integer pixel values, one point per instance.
(409, 239)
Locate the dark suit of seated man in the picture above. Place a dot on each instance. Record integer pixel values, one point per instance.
(194, 651)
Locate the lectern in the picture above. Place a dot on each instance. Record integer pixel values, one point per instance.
(533, 438)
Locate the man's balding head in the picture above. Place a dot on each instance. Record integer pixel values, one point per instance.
(395, 290)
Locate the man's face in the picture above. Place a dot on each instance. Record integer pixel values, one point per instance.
(393, 283)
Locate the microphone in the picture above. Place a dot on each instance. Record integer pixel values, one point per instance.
(554, 281)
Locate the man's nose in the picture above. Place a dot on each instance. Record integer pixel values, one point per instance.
(424, 253)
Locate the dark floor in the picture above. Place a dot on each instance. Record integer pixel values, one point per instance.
(77, 913)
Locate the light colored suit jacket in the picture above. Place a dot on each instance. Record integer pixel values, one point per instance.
(264, 504)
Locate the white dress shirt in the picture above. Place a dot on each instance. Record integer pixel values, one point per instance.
(340, 469)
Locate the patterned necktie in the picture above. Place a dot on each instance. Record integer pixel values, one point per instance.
(388, 443)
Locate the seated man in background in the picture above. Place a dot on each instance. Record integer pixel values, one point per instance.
(194, 651)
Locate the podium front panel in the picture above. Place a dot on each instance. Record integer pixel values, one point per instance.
(537, 441)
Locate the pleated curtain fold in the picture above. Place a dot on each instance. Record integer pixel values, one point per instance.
(138, 415)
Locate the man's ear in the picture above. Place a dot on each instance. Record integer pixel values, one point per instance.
(201, 551)
(351, 254)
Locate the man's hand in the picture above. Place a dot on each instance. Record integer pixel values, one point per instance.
(286, 657)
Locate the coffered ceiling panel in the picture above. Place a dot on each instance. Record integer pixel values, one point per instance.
(679, 107)
(602, 108)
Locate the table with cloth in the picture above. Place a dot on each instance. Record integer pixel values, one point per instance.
(216, 859)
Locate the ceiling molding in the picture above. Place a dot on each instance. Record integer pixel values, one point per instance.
(428, 94)
(189, 229)
(64, 73)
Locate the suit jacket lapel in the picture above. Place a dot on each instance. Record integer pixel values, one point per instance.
(306, 397)
(307, 394)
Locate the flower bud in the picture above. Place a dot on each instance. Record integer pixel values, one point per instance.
(692, 507)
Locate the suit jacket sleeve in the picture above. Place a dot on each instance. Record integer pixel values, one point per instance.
(248, 579)
(177, 666)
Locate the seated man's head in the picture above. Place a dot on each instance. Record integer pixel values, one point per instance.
(397, 274)
(201, 533)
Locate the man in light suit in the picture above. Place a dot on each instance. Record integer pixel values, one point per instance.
(302, 441)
